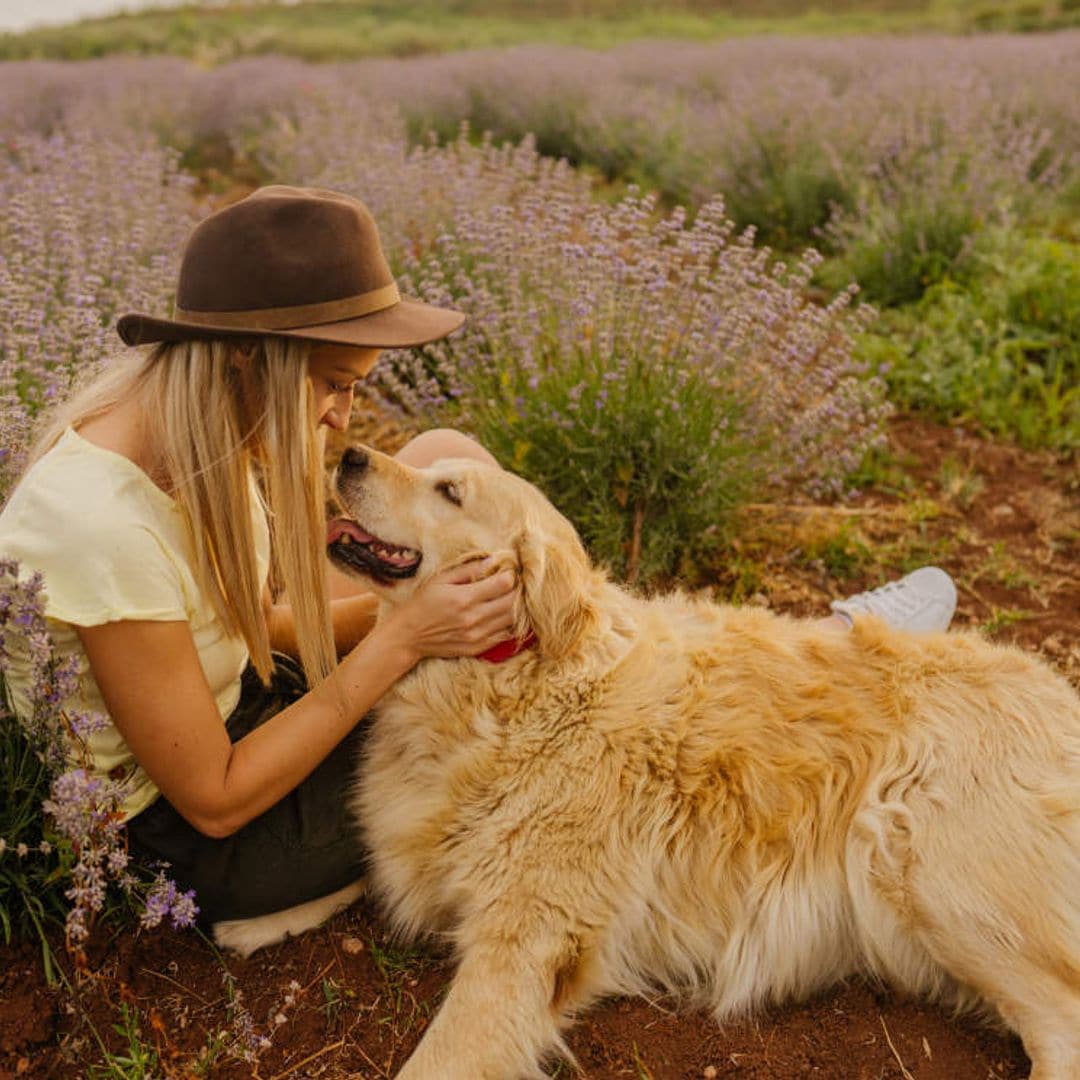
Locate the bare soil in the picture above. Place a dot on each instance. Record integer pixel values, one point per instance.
(1004, 522)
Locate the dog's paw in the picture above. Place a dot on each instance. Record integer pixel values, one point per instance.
(245, 936)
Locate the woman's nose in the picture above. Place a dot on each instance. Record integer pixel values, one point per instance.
(337, 418)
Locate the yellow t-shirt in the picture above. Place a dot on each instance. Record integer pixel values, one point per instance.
(112, 545)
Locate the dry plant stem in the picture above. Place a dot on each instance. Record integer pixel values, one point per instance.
(307, 1061)
(180, 986)
(633, 562)
(818, 508)
(888, 1038)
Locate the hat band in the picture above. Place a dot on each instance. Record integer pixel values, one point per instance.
(298, 315)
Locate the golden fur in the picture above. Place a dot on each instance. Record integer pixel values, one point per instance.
(725, 803)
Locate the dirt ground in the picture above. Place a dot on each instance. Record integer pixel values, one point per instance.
(1004, 522)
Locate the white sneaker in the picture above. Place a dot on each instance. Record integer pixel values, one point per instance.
(922, 602)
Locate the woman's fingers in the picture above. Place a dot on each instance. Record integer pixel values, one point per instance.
(492, 632)
(464, 611)
(499, 586)
(489, 611)
(479, 587)
(476, 570)
(448, 620)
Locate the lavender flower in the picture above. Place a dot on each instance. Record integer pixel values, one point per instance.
(81, 810)
(92, 226)
(163, 900)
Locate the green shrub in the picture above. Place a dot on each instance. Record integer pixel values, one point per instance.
(1001, 346)
(788, 189)
(35, 863)
(648, 464)
(646, 372)
(930, 192)
(898, 249)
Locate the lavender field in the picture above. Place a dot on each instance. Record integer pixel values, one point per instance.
(908, 163)
(699, 278)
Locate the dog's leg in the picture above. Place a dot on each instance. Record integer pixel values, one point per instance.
(1047, 1018)
(982, 908)
(244, 936)
(502, 1014)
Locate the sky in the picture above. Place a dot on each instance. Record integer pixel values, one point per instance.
(23, 14)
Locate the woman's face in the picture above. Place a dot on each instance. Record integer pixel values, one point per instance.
(334, 372)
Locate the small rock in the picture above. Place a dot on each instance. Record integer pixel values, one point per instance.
(1003, 510)
(709, 1072)
(352, 945)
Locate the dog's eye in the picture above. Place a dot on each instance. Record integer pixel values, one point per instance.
(449, 490)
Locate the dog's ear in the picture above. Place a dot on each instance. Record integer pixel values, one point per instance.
(555, 575)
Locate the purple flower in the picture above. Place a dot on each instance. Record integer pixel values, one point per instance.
(165, 900)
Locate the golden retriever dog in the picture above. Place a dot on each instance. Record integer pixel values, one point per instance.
(730, 805)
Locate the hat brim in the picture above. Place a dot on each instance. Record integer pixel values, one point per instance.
(404, 325)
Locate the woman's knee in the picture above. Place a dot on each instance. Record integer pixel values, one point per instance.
(439, 443)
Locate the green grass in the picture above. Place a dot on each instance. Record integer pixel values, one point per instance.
(998, 346)
(960, 484)
(1002, 618)
(844, 555)
(328, 30)
(400, 968)
(138, 1060)
(338, 1001)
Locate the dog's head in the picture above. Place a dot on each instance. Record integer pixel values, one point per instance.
(403, 525)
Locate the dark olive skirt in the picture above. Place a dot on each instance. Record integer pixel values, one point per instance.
(303, 847)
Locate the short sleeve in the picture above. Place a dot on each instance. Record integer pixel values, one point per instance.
(108, 575)
(107, 541)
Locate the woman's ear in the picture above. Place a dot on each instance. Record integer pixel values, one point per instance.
(555, 574)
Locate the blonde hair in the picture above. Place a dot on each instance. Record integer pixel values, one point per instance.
(222, 410)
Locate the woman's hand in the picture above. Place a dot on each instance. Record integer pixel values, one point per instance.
(460, 612)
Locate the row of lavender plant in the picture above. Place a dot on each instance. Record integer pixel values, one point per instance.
(630, 102)
(645, 371)
(748, 118)
(60, 825)
(870, 146)
(91, 226)
(333, 135)
(893, 155)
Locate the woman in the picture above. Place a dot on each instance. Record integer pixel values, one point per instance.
(142, 509)
(146, 507)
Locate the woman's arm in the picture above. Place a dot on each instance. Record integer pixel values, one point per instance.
(154, 688)
(353, 618)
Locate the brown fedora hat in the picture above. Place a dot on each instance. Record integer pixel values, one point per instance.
(291, 262)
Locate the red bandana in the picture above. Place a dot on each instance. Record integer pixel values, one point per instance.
(505, 649)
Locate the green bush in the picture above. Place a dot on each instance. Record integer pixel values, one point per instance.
(1000, 346)
(646, 372)
(788, 189)
(647, 465)
(896, 250)
(62, 842)
(35, 863)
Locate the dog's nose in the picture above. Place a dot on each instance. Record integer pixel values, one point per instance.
(354, 460)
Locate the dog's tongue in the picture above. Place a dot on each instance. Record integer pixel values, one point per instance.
(340, 527)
